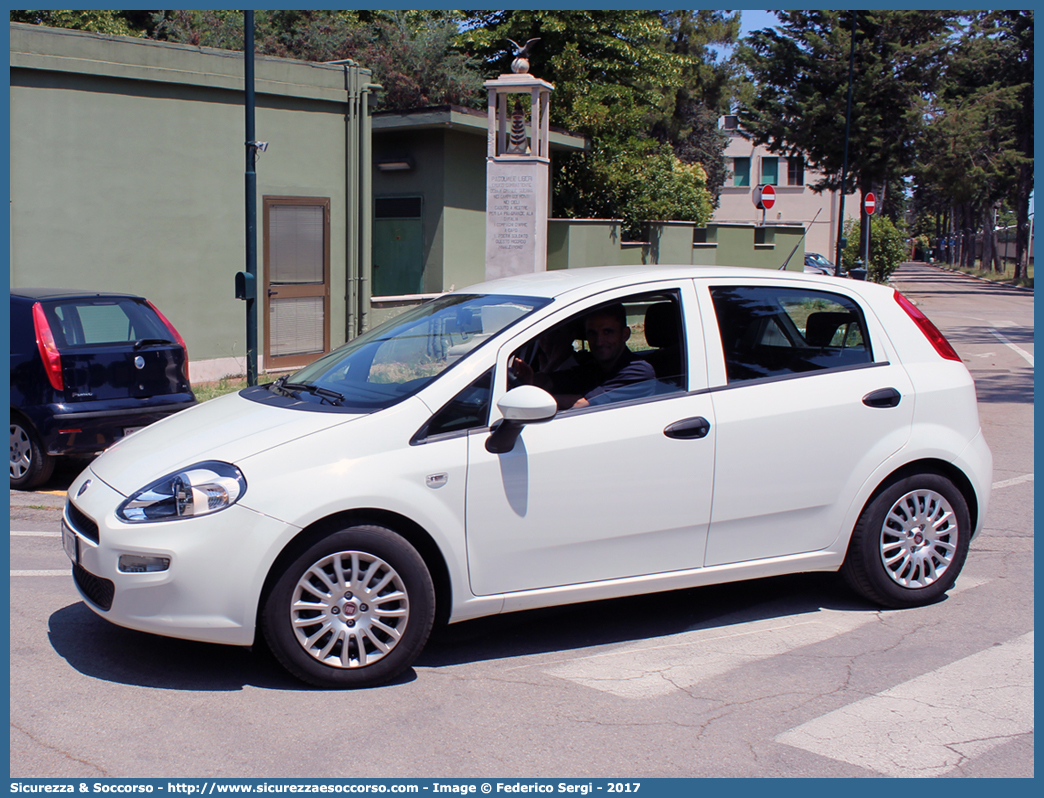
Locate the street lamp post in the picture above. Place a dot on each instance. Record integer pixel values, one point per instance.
(844, 162)
(251, 200)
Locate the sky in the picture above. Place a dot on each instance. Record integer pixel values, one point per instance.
(755, 20)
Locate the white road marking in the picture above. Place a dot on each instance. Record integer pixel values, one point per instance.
(1007, 483)
(684, 660)
(932, 724)
(1018, 350)
(34, 534)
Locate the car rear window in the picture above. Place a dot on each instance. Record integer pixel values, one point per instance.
(100, 321)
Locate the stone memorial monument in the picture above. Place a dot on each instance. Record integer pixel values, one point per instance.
(518, 167)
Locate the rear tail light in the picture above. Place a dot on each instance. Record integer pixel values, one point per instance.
(49, 353)
(176, 335)
(931, 332)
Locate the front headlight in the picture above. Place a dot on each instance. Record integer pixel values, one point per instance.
(197, 490)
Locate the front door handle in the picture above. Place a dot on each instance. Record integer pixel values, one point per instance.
(688, 428)
(885, 397)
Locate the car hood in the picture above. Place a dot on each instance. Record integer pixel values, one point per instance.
(229, 428)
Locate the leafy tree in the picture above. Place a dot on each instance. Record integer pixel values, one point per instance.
(800, 74)
(110, 22)
(974, 152)
(889, 247)
(411, 53)
(706, 90)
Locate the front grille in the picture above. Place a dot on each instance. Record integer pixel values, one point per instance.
(81, 523)
(97, 590)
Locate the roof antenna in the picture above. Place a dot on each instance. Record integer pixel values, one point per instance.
(798, 244)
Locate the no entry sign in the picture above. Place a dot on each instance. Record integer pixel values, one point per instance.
(869, 204)
(765, 197)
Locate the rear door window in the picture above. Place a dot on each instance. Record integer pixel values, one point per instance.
(769, 331)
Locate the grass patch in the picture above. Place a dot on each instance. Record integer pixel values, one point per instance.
(205, 391)
(1006, 277)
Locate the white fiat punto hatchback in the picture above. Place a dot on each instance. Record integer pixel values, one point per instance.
(541, 440)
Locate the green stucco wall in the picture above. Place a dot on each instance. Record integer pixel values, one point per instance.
(127, 172)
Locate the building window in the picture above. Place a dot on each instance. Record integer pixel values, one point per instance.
(795, 171)
(741, 171)
(731, 122)
(769, 171)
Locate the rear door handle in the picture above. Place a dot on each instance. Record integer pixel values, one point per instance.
(885, 397)
(688, 428)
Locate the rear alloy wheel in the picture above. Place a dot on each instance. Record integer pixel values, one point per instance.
(910, 543)
(354, 610)
(30, 464)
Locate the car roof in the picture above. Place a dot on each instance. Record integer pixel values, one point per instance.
(551, 284)
(66, 293)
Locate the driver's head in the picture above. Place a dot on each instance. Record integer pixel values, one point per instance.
(607, 333)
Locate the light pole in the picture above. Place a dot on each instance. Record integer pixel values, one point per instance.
(844, 162)
(251, 201)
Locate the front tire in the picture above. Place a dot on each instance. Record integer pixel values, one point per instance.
(353, 610)
(31, 466)
(910, 543)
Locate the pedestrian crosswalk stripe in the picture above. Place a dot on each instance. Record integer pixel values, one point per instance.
(930, 725)
(678, 662)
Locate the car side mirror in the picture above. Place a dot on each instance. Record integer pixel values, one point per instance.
(523, 405)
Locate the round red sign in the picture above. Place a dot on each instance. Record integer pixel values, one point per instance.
(767, 197)
(869, 203)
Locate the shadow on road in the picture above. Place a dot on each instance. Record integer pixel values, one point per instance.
(1004, 387)
(103, 651)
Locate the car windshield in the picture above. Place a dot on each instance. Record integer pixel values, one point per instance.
(398, 358)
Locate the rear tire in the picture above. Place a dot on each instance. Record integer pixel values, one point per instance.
(910, 543)
(353, 610)
(31, 466)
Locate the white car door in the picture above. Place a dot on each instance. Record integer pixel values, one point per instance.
(807, 407)
(616, 490)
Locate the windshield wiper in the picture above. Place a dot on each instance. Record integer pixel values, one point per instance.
(323, 393)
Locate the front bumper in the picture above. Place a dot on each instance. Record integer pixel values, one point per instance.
(211, 588)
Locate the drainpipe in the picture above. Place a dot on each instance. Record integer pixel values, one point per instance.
(365, 207)
(358, 197)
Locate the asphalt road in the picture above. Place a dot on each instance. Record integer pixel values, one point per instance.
(773, 678)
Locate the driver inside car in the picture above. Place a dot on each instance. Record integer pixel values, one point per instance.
(599, 380)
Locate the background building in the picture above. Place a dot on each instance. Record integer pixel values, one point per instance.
(796, 203)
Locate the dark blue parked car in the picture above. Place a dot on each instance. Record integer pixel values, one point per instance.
(87, 369)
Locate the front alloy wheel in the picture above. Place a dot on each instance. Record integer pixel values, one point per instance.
(350, 609)
(354, 609)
